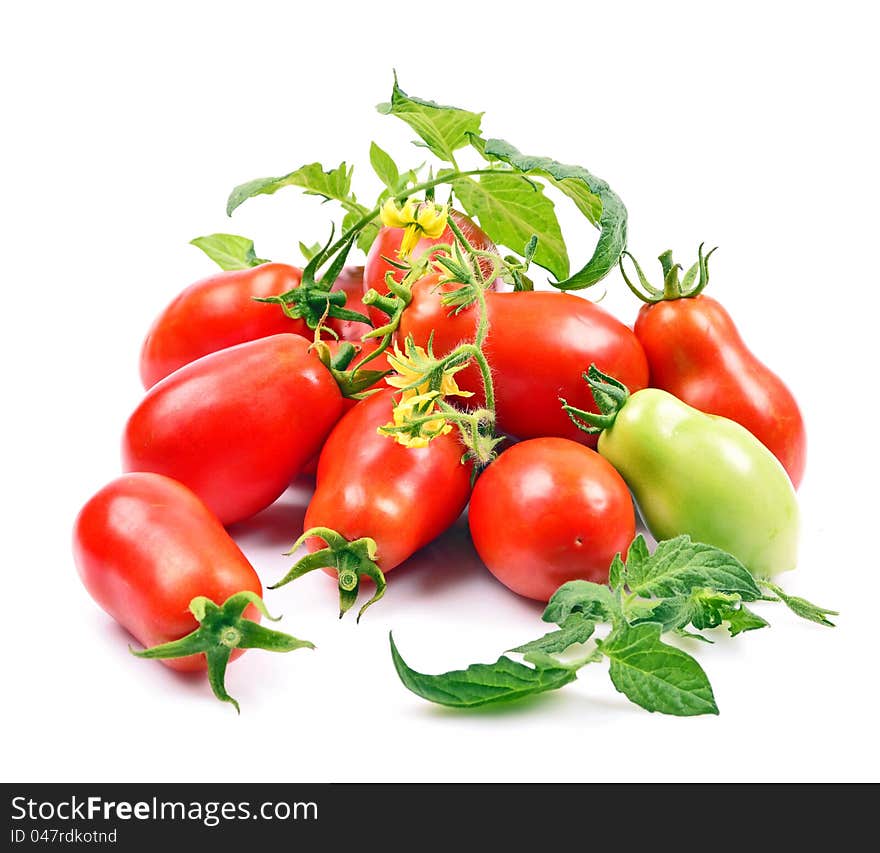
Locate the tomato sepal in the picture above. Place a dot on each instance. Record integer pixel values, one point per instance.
(609, 394)
(352, 559)
(313, 301)
(354, 381)
(223, 628)
(673, 286)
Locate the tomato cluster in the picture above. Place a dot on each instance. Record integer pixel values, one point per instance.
(481, 399)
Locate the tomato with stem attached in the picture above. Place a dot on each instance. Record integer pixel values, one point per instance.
(548, 511)
(696, 474)
(377, 502)
(237, 425)
(156, 559)
(695, 352)
(538, 345)
(223, 310)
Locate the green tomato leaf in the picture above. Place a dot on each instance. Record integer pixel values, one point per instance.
(334, 184)
(616, 573)
(592, 600)
(575, 629)
(512, 209)
(679, 565)
(801, 607)
(384, 166)
(229, 251)
(309, 252)
(654, 675)
(592, 196)
(484, 684)
(443, 130)
(702, 608)
(742, 620)
(366, 235)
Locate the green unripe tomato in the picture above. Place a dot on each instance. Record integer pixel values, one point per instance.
(699, 474)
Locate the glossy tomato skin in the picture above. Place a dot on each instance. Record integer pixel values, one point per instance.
(387, 245)
(539, 345)
(369, 485)
(696, 353)
(548, 511)
(215, 313)
(705, 476)
(379, 363)
(145, 546)
(237, 425)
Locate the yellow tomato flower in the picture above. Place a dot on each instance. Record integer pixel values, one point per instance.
(417, 366)
(424, 219)
(408, 412)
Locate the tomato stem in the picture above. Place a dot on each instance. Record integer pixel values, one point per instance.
(673, 287)
(610, 396)
(352, 560)
(223, 628)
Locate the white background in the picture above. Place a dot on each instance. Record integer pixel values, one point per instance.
(753, 128)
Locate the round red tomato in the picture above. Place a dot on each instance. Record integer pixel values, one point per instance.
(387, 245)
(538, 347)
(145, 546)
(548, 511)
(237, 425)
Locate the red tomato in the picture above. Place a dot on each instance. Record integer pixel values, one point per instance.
(215, 313)
(538, 346)
(369, 485)
(220, 311)
(547, 511)
(387, 245)
(696, 353)
(236, 425)
(379, 363)
(145, 546)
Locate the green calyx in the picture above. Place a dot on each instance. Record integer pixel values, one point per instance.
(313, 300)
(222, 628)
(674, 287)
(609, 394)
(353, 381)
(351, 559)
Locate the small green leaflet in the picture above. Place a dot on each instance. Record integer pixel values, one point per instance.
(443, 130)
(511, 210)
(801, 607)
(229, 251)
(366, 235)
(654, 675)
(594, 601)
(483, 684)
(679, 565)
(384, 166)
(702, 608)
(575, 629)
(592, 196)
(739, 621)
(309, 252)
(334, 184)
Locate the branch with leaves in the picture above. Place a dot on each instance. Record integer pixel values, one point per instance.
(683, 585)
(502, 189)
